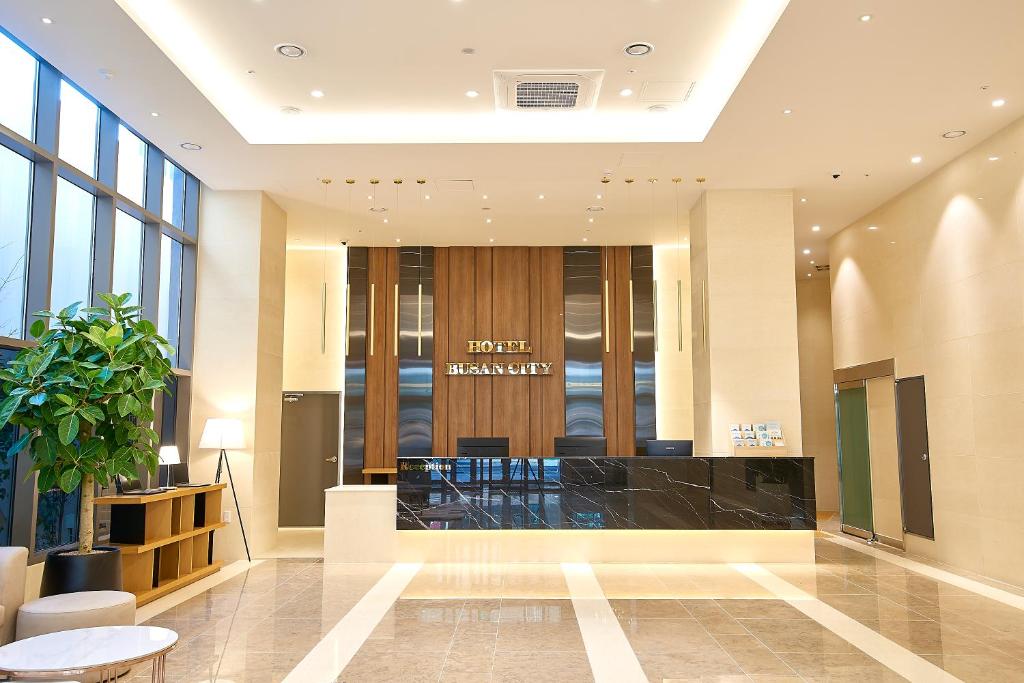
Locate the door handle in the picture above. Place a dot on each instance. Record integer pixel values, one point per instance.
(333, 458)
(924, 456)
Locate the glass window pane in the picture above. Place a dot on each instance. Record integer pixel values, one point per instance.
(174, 194)
(8, 466)
(15, 190)
(79, 123)
(71, 278)
(131, 165)
(170, 291)
(18, 84)
(127, 256)
(56, 519)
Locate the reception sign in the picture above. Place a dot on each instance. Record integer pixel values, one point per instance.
(515, 346)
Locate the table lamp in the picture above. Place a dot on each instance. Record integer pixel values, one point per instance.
(223, 433)
(169, 456)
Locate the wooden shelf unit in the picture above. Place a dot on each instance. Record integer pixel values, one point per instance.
(166, 539)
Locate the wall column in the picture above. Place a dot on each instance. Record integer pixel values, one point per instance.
(237, 369)
(743, 293)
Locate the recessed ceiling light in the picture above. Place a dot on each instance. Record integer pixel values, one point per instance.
(540, 196)
(865, 17)
(872, 227)
(625, 92)
(584, 239)
(803, 200)
(290, 50)
(638, 49)
(980, 199)
(317, 93)
(484, 196)
(386, 220)
(950, 134)
(47, 20)
(808, 274)
(472, 93)
(998, 103)
(993, 158)
(488, 220)
(892, 243)
(290, 111)
(491, 240)
(191, 146)
(787, 111)
(595, 209)
(398, 239)
(812, 262)
(915, 159)
(379, 209)
(807, 252)
(469, 50)
(427, 196)
(815, 228)
(590, 220)
(600, 196)
(154, 114)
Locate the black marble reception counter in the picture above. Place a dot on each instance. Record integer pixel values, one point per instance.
(642, 492)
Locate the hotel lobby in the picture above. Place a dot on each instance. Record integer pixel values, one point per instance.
(591, 340)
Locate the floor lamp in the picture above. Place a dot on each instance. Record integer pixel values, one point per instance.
(222, 434)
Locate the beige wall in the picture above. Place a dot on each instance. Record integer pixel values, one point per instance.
(939, 287)
(238, 354)
(308, 366)
(673, 361)
(742, 266)
(817, 402)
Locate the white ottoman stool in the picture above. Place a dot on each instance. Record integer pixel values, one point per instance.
(75, 610)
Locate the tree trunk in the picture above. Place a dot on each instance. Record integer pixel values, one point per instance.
(85, 521)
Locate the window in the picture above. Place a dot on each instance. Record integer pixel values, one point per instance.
(170, 291)
(18, 84)
(131, 165)
(174, 195)
(72, 246)
(79, 125)
(56, 519)
(15, 191)
(127, 276)
(8, 468)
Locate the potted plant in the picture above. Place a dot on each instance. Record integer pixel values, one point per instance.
(83, 396)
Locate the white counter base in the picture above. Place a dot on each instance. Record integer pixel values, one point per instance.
(359, 526)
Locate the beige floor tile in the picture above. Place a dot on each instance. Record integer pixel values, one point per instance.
(980, 668)
(760, 609)
(375, 666)
(851, 666)
(795, 635)
(548, 667)
(470, 656)
(409, 634)
(752, 656)
(667, 635)
(516, 610)
(561, 636)
(929, 638)
(649, 609)
(872, 607)
(688, 665)
(533, 581)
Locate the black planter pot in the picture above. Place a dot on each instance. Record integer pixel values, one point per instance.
(66, 572)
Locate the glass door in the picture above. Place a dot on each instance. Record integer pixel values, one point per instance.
(854, 459)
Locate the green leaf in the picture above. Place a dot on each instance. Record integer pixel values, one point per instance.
(18, 445)
(114, 335)
(65, 399)
(9, 407)
(37, 399)
(70, 480)
(70, 311)
(38, 329)
(44, 449)
(67, 430)
(93, 414)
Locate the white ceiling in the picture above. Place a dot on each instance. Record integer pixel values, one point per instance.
(865, 97)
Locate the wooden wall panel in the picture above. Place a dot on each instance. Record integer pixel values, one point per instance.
(391, 328)
(535, 337)
(625, 394)
(510, 319)
(462, 392)
(552, 349)
(373, 455)
(482, 329)
(609, 355)
(439, 433)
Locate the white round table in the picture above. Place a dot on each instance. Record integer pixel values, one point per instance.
(100, 650)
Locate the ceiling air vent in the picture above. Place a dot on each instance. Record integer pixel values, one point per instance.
(547, 90)
(822, 268)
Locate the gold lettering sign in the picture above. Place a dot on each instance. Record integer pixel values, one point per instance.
(516, 369)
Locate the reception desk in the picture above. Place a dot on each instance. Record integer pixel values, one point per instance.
(663, 493)
(610, 509)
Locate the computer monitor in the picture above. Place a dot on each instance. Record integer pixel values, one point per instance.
(482, 446)
(581, 446)
(669, 447)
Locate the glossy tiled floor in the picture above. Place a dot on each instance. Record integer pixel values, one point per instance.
(850, 616)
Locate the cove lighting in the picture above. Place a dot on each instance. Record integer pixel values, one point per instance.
(199, 50)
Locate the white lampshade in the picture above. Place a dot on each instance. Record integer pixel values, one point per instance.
(221, 433)
(169, 455)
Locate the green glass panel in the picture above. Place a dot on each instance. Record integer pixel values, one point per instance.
(854, 459)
